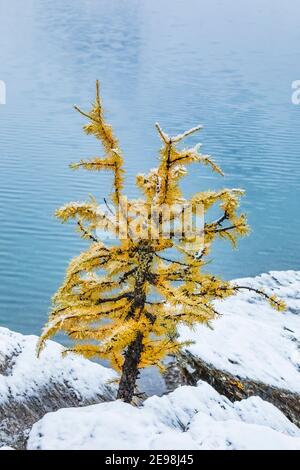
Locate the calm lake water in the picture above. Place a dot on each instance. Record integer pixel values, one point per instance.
(226, 64)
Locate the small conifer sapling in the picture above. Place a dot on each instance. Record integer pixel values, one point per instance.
(124, 303)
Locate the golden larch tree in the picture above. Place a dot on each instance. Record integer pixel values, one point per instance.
(124, 303)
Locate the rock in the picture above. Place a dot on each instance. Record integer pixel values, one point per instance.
(31, 387)
(188, 369)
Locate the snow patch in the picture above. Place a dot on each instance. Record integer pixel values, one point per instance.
(188, 418)
(252, 340)
(23, 375)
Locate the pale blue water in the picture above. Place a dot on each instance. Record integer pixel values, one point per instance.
(226, 64)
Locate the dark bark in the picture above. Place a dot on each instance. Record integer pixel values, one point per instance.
(130, 369)
(188, 369)
(133, 352)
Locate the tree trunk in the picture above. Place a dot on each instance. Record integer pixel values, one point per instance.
(130, 370)
(132, 355)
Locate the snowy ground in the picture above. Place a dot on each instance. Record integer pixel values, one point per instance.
(188, 418)
(251, 339)
(31, 387)
(23, 375)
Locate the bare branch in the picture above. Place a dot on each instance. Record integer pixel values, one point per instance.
(108, 207)
(126, 275)
(185, 134)
(164, 136)
(86, 114)
(257, 291)
(221, 219)
(171, 260)
(86, 233)
(125, 295)
(98, 93)
(224, 229)
(75, 166)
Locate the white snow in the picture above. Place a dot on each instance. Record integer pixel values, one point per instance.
(188, 418)
(251, 339)
(26, 375)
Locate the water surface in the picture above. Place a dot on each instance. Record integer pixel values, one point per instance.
(226, 64)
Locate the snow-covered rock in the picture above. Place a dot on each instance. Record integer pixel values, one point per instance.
(250, 339)
(188, 418)
(31, 387)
